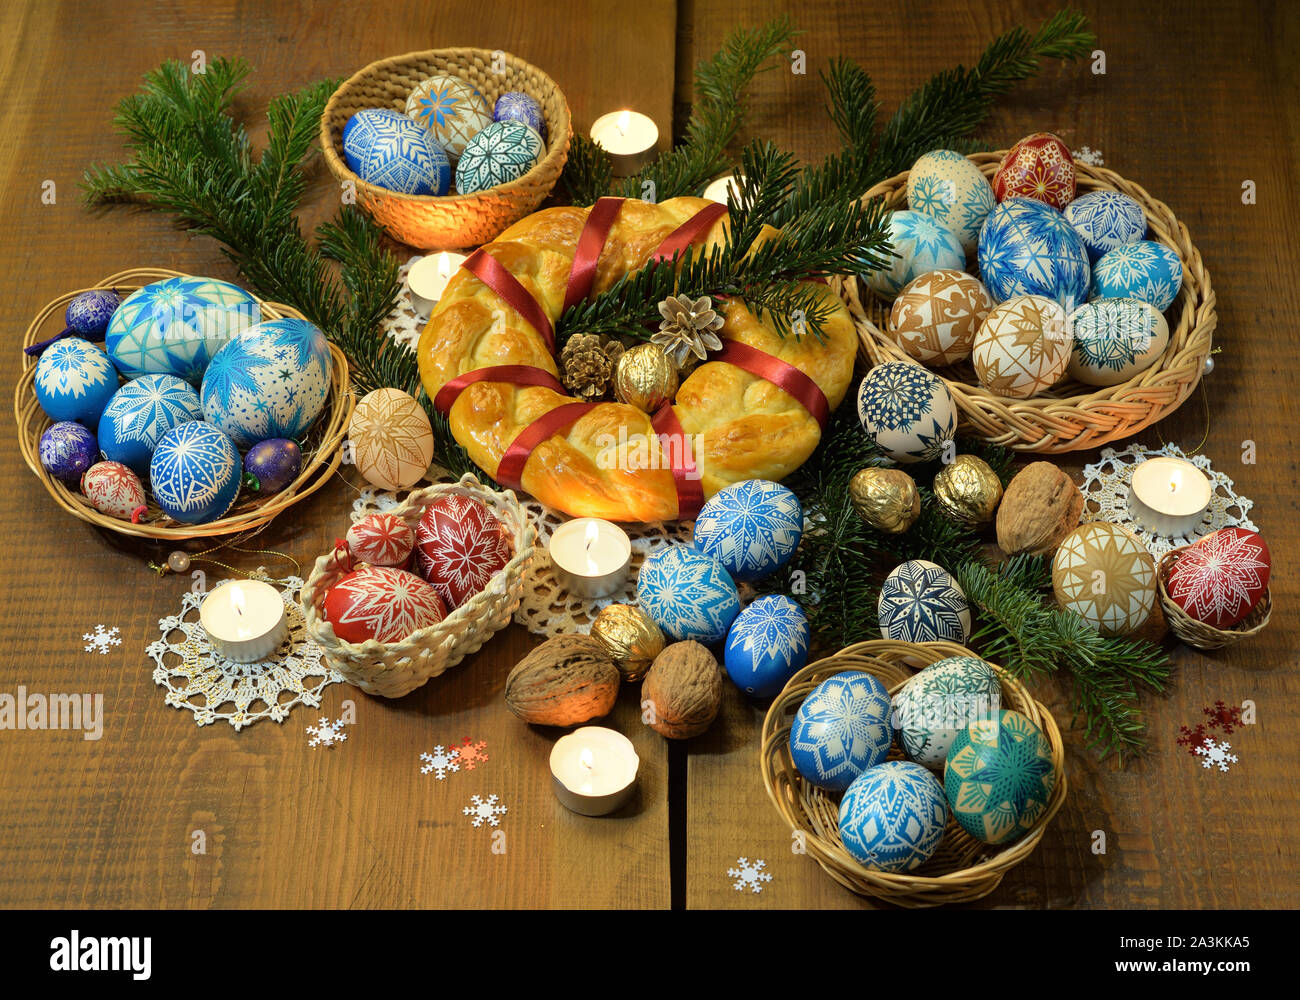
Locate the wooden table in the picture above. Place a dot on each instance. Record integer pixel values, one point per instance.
(1192, 105)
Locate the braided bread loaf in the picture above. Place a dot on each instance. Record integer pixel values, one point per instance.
(743, 427)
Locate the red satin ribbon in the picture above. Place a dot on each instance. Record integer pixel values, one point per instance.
(514, 374)
(511, 470)
(600, 220)
(489, 270)
(779, 373)
(689, 231)
(690, 493)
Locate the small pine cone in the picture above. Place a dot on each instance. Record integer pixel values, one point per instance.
(587, 365)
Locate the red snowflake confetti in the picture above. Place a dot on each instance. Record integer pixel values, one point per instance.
(470, 752)
(1192, 738)
(1223, 717)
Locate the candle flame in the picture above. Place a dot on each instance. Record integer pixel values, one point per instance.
(237, 599)
(624, 120)
(586, 759)
(593, 533)
(444, 266)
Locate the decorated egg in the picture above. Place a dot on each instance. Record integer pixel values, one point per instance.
(841, 729)
(1222, 577)
(893, 816)
(688, 594)
(936, 316)
(269, 382)
(88, 314)
(1143, 270)
(381, 540)
(450, 110)
(273, 465)
(392, 439)
(195, 473)
(74, 381)
(67, 450)
(459, 546)
(140, 413)
(381, 603)
(767, 644)
(1027, 248)
(1023, 347)
(950, 189)
(920, 244)
(921, 602)
(1105, 220)
(940, 701)
(999, 777)
(175, 326)
(392, 151)
(501, 153)
(1039, 166)
(1115, 339)
(113, 489)
(1106, 576)
(907, 411)
(516, 106)
(751, 527)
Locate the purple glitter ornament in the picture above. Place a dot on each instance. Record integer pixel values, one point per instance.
(516, 106)
(273, 463)
(88, 314)
(67, 450)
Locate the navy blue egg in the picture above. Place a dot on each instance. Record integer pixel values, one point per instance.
(68, 450)
(767, 645)
(88, 314)
(274, 463)
(195, 473)
(842, 728)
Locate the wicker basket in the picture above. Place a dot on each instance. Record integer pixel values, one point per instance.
(398, 668)
(452, 221)
(1071, 416)
(321, 453)
(1197, 633)
(963, 869)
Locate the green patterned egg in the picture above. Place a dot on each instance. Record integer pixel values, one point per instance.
(999, 777)
(935, 705)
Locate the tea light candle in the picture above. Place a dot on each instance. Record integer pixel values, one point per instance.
(427, 279)
(1168, 496)
(725, 189)
(628, 137)
(244, 620)
(591, 556)
(593, 770)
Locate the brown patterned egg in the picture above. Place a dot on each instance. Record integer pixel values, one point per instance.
(1022, 347)
(391, 439)
(936, 316)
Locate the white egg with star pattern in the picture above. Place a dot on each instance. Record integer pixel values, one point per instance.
(936, 704)
(920, 244)
(1115, 339)
(751, 527)
(907, 411)
(921, 602)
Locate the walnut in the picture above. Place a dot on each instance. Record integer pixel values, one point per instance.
(564, 681)
(684, 691)
(1040, 507)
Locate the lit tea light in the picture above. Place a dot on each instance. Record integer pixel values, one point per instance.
(725, 190)
(245, 620)
(1169, 496)
(591, 556)
(628, 137)
(593, 770)
(428, 277)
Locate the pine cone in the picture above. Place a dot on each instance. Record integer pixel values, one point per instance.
(688, 329)
(587, 365)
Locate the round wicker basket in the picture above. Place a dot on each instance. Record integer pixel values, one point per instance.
(428, 222)
(321, 453)
(1071, 416)
(398, 668)
(963, 869)
(1197, 633)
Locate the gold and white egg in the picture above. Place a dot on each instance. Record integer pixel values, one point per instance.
(390, 439)
(1023, 347)
(936, 316)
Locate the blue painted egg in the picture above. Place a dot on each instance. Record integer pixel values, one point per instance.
(752, 528)
(1105, 220)
(274, 463)
(920, 245)
(392, 151)
(88, 314)
(140, 413)
(74, 381)
(516, 106)
(195, 473)
(907, 411)
(269, 382)
(950, 188)
(893, 816)
(688, 594)
(175, 326)
(936, 704)
(1027, 248)
(1115, 339)
(767, 644)
(67, 450)
(501, 153)
(921, 602)
(1146, 270)
(999, 777)
(841, 729)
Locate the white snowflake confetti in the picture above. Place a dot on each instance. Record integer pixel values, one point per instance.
(326, 733)
(749, 875)
(484, 810)
(1213, 754)
(1092, 157)
(440, 762)
(99, 640)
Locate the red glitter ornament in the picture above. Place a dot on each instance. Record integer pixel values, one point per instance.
(460, 545)
(1039, 166)
(471, 753)
(381, 603)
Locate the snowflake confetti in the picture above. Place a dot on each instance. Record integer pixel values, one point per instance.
(1092, 157)
(326, 733)
(471, 753)
(99, 640)
(484, 810)
(1223, 717)
(749, 875)
(440, 762)
(1216, 754)
(1191, 738)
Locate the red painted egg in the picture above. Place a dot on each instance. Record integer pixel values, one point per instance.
(113, 489)
(381, 540)
(459, 545)
(1220, 578)
(1038, 166)
(381, 603)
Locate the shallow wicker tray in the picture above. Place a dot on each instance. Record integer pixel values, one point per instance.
(1197, 633)
(1071, 416)
(963, 869)
(321, 453)
(452, 221)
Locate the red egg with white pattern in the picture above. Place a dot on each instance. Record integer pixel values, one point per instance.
(381, 603)
(1220, 579)
(1039, 166)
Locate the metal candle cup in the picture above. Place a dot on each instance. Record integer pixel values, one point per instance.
(427, 279)
(628, 137)
(1168, 496)
(593, 770)
(591, 556)
(245, 620)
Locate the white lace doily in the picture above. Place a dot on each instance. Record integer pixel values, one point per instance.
(404, 324)
(214, 688)
(1105, 494)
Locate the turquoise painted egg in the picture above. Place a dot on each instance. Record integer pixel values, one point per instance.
(269, 382)
(175, 326)
(841, 729)
(392, 151)
(920, 244)
(1105, 220)
(921, 602)
(999, 777)
(195, 473)
(688, 594)
(74, 381)
(751, 527)
(502, 152)
(1115, 339)
(907, 411)
(767, 645)
(516, 106)
(1027, 248)
(935, 705)
(893, 816)
(950, 189)
(1144, 270)
(140, 413)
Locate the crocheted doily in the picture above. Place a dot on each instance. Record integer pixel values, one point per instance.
(215, 688)
(1105, 493)
(404, 324)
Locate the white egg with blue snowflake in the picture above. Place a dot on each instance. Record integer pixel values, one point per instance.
(451, 110)
(1115, 339)
(1105, 220)
(516, 106)
(1027, 248)
(892, 818)
(74, 381)
(140, 413)
(767, 645)
(751, 527)
(936, 704)
(1144, 270)
(393, 151)
(688, 594)
(269, 382)
(949, 188)
(907, 411)
(921, 602)
(175, 326)
(920, 244)
(841, 729)
(194, 473)
(502, 152)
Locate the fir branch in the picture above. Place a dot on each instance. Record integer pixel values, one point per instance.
(588, 173)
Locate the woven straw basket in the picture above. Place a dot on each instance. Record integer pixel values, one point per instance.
(452, 221)
(321, 453)
(1071, 416)
(1198, 634)
(398, 668)
(963, 869)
